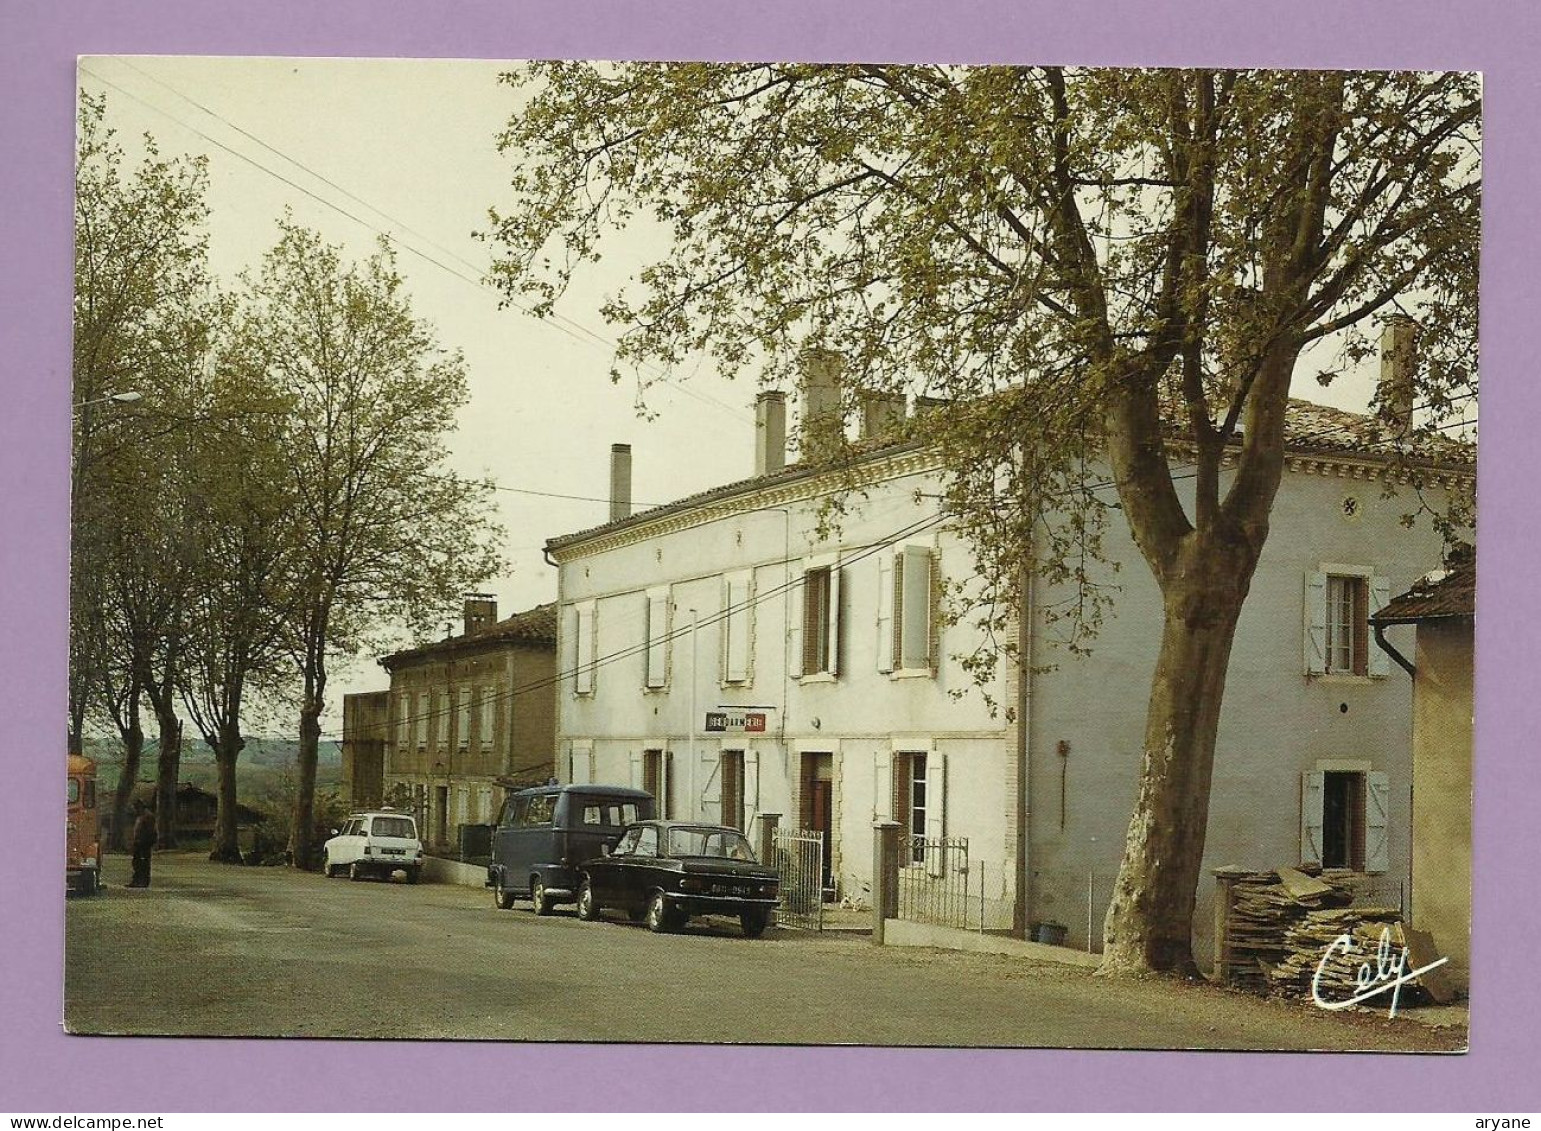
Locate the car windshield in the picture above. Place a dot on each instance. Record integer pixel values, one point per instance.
(724, 843)
(394, 826)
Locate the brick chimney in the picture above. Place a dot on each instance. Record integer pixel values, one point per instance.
(881, 413)
(770, 432)
(620, 482)
(1398, 362)
(481, 611)
(823, 422)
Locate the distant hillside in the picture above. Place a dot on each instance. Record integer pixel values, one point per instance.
(271, 752)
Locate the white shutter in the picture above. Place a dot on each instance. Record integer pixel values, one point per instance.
(883, 787)
(914, 615)
(735, 627)
(487, 722)
(1316, 623)
(1379, 661)
(934, 612)
(463, 717)
(422, 719)
(657, 638)
(886, 600)
(584, 633)
(796, 595)
(582, 764)
(834, 620)
(710, 803)
(1377, 818)
(936, 810)
(1312, 784)
(751, 787)
(636, 770)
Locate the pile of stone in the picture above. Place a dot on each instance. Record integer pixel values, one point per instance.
(1264, 907)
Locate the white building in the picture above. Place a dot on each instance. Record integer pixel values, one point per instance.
(722, 653)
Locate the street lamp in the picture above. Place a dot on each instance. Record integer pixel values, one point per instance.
(127, 397)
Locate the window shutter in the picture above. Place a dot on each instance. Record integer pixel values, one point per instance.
(834, 620)
(636, 770)
(657, 638)
(883, 787)
(797, 596)
(666, 772)
(886, 602)
(736, 630)
(915, 611)
(936, 810)
(584, 631)
(1316, 624)
(934, 625)
(1312, 784)
(710, 801)
(1380, 594)
(751, 787)
(403, 721)
(422, 719)
(463, 717)
(1377, 818)
(582, 764)
(487, 722)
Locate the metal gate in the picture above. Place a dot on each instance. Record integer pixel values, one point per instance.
(799, 859)
(933, 881)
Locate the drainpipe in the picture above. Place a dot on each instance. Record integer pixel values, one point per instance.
(1402, 661)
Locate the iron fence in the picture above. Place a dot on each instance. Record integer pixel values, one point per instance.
(934, 880)
(799, 861)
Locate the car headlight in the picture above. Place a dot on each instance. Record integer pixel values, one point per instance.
(690, 883)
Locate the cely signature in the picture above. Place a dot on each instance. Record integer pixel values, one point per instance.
(1388, 972)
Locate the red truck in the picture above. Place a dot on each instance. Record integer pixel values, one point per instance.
(82, 844)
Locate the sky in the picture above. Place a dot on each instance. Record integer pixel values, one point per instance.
(359, 147)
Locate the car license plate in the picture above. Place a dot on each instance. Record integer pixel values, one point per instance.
(394, 851)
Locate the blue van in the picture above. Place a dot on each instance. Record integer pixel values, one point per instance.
(543, 834)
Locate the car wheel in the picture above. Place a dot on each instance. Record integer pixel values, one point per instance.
(355, 871)
(588, 910)
(754, 922)
(501, 899)
(538, 898)
(85, 883)
(659, 915)
(326, 866)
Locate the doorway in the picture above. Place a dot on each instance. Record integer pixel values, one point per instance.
(818, 809)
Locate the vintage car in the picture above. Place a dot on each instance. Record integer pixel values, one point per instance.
(667, 871)
(543, 834)
(377, 843)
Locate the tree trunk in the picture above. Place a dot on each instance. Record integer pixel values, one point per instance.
(226, 847)
(305, 792)
(168, 770)
(133, 749)
(1149, 922)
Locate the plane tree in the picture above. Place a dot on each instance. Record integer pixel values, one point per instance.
(1116, 274)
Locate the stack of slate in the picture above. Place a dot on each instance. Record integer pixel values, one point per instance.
(1349, 968)
(1264, 907)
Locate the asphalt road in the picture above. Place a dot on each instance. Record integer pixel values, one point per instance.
(220, 950)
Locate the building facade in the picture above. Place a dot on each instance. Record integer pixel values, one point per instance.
(730, 655)
(469, 716)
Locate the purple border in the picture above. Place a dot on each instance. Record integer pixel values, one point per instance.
(46, 1071)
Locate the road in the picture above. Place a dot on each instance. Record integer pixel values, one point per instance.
(220, 950)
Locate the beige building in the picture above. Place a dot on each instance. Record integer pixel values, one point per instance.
(364, 726)
(470, 715)
(1443, 606)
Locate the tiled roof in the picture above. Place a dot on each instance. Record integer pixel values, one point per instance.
(533, 626)
(1308, 428)
(1444, 593)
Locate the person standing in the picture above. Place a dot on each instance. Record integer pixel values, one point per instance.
(142, 842)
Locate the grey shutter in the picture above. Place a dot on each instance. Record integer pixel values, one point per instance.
(795, 598)
(1316, 623)
(751, 788)
(1312, 784)
(936, 811)
(736, 627)
(883, 786)
(834, 620)
(1379, 664)
(1377, 819)
(636, 771)
(886, 602)
(657, 638)
(914, 616)
(710, 803)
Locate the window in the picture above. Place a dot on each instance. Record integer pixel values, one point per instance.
(394, 826)
(656, 657)
(910, 801)
(584, 637)
(732, 774)
(818, 649)
(538, 810)
(422, 720)
(907, 612)
(647, 842)
(657, 780)
(403, 721)
(627, 845)
(917, 781)
(486, 724)
(609, 814)
(1340, 600)
(737, 624)
(1344, 819)
(463, 717)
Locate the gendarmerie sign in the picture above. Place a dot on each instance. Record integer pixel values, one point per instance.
(747, 722)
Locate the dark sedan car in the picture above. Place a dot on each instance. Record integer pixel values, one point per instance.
(668, 871)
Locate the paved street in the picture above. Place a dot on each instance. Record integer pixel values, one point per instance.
(219, 950)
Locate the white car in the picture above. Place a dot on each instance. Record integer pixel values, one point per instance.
(374, 843)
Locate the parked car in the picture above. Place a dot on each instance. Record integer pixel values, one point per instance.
(544, 833)
(667, 871)
(82, 847)
(378, 843)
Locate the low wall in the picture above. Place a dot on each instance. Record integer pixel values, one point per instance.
(902, 932)
(440, 871)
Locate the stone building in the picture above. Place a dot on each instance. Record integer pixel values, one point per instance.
(470, 715)
(735, 657)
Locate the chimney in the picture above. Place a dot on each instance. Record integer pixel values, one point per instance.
(1398, 360)
(770, 432)
(620, 482)
(481, 611)
(881, 413)
(823, 423)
